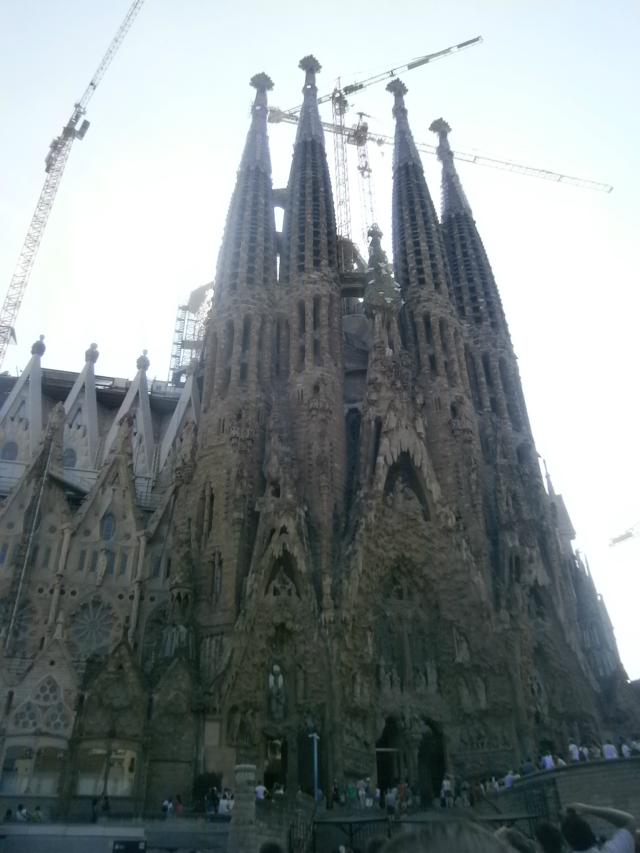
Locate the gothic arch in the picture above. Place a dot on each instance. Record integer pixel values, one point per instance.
(404, 473)
(281, 580)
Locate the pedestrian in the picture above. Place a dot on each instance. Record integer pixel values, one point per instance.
(261, 791)
(446, 792)
(547, 762)
(22, 815)
(37, 815)
(579, 835)
(508, 779)
(179, 806)
(167, 807)
(584, 753)
(625, 749)
(609, 752)
(574, 752)
(8, 816)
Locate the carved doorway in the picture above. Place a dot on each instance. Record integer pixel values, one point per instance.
(431, 764)
(389, 755)
(275, 770)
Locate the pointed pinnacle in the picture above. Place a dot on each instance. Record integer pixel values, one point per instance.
(310, 64)
(397, 87)
(262, 82)
(440, 127)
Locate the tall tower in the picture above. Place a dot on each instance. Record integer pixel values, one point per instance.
(433, 332)
(237, 365)
(310, 292)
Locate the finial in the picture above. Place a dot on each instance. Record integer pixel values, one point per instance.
(143, 362)
(91, 355)
(262, 82)
(397, 88)
(311, 66)
(440, 127)
(38, 348)
(374, 232)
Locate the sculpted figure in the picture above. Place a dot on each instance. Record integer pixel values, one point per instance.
(276, 693)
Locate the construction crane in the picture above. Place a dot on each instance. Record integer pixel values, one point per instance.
(629, 533)
(339, 107)
(356, 136)
(55, 162)
(360, 135)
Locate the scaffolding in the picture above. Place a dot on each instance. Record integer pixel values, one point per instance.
(188, 333)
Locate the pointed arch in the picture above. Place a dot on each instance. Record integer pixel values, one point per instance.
(404, 473)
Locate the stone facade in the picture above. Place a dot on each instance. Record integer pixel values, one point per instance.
(337, 524)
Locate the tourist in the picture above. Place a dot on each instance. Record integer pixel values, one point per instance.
(352, 795)
(179, 806)
(37, 815)
(261, 791)
(547, 762)
(446, 793)
(167, 807)
(446, 836)
(584, 753)
(574, 752)
(609, 751)
(391, 798)
(527, 766)
(225, 806)
(579, 834)
(362, 794)
(625, 749)
(595, 753)
(22, 815)
(549, 837)
(508, 779)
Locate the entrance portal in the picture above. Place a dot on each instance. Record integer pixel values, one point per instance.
(388, 755)
(431, 764)
(275, 772)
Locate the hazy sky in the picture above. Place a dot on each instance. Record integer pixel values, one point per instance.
(139, 218)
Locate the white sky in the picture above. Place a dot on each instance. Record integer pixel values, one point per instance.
(139, 218)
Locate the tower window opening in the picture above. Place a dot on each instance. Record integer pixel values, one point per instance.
(9, 451)
(108, 527)
(488, 375)
(301, 335)
(69, 458)
(510, 398)
(473, 380)
(229, 333)
(244, 349)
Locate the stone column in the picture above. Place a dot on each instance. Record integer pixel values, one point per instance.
(242, 835)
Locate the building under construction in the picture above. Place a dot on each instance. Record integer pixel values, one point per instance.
(332, 521)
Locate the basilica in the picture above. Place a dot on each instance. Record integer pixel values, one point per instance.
(335, 524)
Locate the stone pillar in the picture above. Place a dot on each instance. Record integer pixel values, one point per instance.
(242, 835)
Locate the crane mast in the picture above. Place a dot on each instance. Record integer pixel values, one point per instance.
(55, 162)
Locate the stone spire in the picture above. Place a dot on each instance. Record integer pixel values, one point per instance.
(474, 288)
(381, 288)
(417, 243)
(248, 255)
(453, 198)
(309, 234)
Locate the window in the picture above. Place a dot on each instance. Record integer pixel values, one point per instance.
(108, 527)
(69, 457)
(81, 561)
(111, 563)
(124, 559)
(156, 566)
(9, 451)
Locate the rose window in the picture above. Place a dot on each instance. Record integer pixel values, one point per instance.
(26, 717)
(92, 628)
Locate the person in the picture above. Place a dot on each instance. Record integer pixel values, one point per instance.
(560, 762)
(446, 793)
(549, 837)
(527, 766)
(515, 839)
(546, 762)
(261, 791)
(225, 804)
(167, 807)
(508, 779)
(574, 752)
(579, 835)
(37, 815)
(8, 816)
(335, 793)
(584, 753)
(106, 806)
(94, 810)
(390, 799)
(22, 815)
(625, 749)
(609, 752)
(445, 836)
(179, 805)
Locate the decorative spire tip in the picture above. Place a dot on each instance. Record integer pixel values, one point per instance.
(143, 362)
(440, 127)
(310, 64)
(38, 348)
(397, 87)
(262, 82)
(374, 231)
(92, 353)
